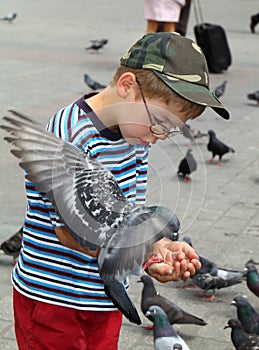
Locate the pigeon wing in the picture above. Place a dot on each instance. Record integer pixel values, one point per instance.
(85, 194)
(124, 254)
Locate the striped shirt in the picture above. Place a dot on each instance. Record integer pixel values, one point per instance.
(48, 271)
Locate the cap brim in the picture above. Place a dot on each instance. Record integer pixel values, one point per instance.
(195, 93)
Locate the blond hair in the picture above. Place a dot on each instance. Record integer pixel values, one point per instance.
(152, 87)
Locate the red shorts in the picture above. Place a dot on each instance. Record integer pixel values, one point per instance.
(41, 326)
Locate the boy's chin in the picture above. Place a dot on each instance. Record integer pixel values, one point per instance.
(133, 141)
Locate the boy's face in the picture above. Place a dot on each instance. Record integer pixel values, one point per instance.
(144, 118)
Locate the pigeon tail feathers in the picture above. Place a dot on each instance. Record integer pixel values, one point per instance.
(116, 291)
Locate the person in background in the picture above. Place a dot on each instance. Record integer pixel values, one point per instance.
(165, 12)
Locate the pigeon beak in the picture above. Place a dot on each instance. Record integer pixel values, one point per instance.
(139, 281)
(148, 313)
(233, 302)
(227, 326)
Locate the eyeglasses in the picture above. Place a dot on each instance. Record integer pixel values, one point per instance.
(157, 128)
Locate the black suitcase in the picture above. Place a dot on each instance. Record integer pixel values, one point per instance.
(213, 42)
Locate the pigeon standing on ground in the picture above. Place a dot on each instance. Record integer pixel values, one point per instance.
(252, 278)
(174, 313)
(254, 96)
(241, 339)
(187, 166)
(9, 18)
(12, 245)
(217, 147)
(92, 206)
(219, 90)
(246, 314)
(208, 266)
(94, 85)
(97, 45)
(165, 337)
(192, 133)
(206, 282)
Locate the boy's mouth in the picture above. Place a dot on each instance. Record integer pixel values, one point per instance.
(143, 142)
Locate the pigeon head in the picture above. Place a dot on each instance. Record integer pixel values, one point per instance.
(250, 268)
(145, 279)
(211, 133)
(172, 221)
(239, 300)
(234, 323)
(156, 314)
(188, 240)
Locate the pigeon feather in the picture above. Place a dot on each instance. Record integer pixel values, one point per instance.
(165, 337)
(217, 147)
(252, 278)
(174, 313)
(94, 85)
(187, 166)
(246, 314)
(240, 339)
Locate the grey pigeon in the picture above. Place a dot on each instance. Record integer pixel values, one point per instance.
(9, 18)
(206, 282)
(165, 337)
(94, 85)
(217, 147)
(254, 96)
(252, 278)
(91, 205)
(192, 133)
(246, 314)
(97, 44)
(174, 313)
(12, 245)
(240, 339)
(187, 166)
(219, 90)
(208, 266)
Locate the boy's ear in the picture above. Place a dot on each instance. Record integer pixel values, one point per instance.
(126, 84)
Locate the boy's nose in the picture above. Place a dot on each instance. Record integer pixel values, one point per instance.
(160, 137)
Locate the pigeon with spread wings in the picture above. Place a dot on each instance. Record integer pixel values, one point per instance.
(90, 203)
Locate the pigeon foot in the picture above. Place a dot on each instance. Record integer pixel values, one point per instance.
(201, 294)
(149, 328)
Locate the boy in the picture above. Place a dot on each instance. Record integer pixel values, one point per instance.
(59, 299)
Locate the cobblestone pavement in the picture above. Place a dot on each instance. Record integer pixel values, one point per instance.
(42, 66)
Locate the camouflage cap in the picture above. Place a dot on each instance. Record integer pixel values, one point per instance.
(179, 62)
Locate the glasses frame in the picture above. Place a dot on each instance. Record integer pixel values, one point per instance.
(155, 127)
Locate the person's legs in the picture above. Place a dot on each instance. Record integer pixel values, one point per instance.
(40, 326)
(104, 330)
(169, 26)
(152, 26)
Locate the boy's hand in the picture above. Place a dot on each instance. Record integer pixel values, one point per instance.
(180, 261)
